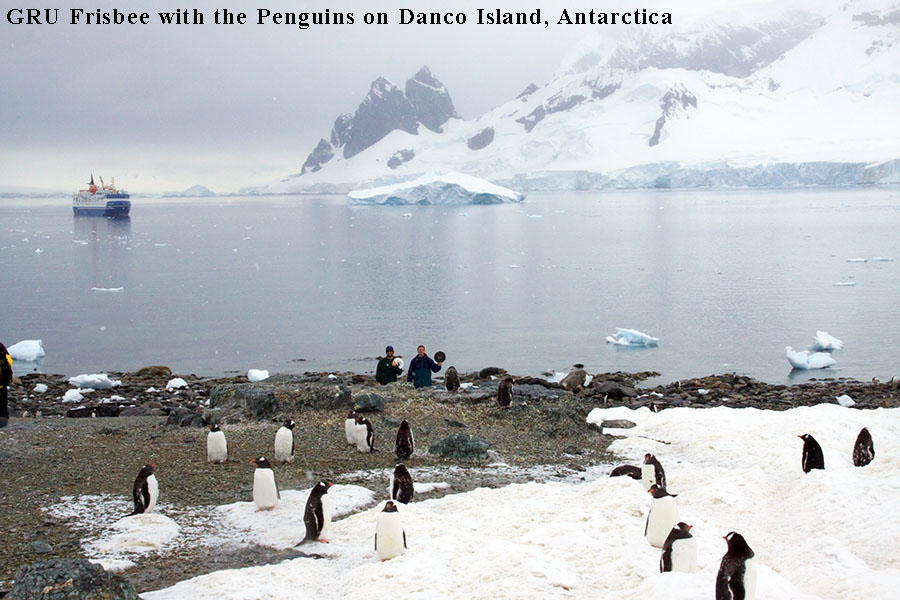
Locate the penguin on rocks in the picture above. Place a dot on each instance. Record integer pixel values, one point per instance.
(405, 443)
(317, 515)
(863, 449)
(451, 379)
(736, 579)
(679, 552)
(401, 485)
(812, 454)
(390, 538)
(145, 490)
(284, 442)
(365, 435)
(652, 472)
(505, 392)
(216, 446)
(350, 427)
(265, 490)
(661, 518)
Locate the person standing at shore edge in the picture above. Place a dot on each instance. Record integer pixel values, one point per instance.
(388, 367)
(6, 376)
(421, 367)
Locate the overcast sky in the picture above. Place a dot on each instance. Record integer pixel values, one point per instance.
(164, 107)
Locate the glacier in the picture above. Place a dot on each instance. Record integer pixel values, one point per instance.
(450, 188)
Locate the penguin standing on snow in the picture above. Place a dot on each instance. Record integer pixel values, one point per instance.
(737, 572)
(284, 442)
(216, 446)
(145, 490)
(365, 435)
(663, 516)
(652, 472)
(405, 443)
(401, 486)
(679, 552)
(863, 449)
(265, 490)
(350, 427)
(317, 515)
(505, 392)
(451, 380)
(390, 538)
(812, 454)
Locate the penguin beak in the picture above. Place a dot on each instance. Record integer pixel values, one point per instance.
(689, 527)
(253, 460)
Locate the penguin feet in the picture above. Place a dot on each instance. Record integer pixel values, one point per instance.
(323, 540)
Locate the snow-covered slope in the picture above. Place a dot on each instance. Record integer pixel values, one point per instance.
(799, 99)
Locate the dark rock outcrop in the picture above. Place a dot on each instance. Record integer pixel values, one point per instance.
(384, 109)
(322, 153)
(430, 100)
(280, 395)
(482, 139)
(461, 446)
(527, 92)
(369, 403)
(674, 102)
(68, 579)
(400, 157)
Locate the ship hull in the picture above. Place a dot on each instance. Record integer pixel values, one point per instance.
(112, 205)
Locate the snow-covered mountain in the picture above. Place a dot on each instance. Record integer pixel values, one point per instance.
(800, 99)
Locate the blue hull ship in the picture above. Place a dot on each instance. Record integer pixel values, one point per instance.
(102, 201)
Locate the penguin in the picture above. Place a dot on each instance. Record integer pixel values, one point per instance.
(451, 380)
(350, 427)
(284, 442)
(401, 485)
(265, 491)
(679, 552)
(736, 579)
(317, 515)
(863, 449)
(390, 538)
(216, 446)
(365, 435)
(145, 490)
(630, 470)
(405, 442)
(652, 472)
(505, 392)
(661, 518)
(812, 454)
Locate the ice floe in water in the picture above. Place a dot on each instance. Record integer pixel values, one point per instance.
(27, 350)
(800, 359)
(825, 342)
(631, 337)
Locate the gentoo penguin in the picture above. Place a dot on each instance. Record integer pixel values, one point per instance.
(505, 392)
(390, 538)
(661, 518)
(652, 472)
(864, 449)
(679, 552)
(630, 470)
(265, 491)
(405, 442)
(812, 454)
(317, 516)
(284, 442)
(145, 490)
(737, 572)
(365, 435)
(401, 485)
(350, 427)
(216, 446)
(451, 379)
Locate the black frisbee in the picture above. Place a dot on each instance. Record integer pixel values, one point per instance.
(439, 356)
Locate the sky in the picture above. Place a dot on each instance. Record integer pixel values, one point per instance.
(165, 107)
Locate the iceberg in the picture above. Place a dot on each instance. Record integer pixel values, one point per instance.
(804, 361)
(631, 337)
(94, 381)
(825, 343)
(27, 350)
(451, 188)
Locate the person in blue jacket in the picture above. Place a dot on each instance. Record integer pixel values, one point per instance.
(421, 367)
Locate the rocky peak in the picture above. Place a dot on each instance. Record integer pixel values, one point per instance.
(384, 109)
(430, 100)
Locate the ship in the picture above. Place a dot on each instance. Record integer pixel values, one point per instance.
(102, 201)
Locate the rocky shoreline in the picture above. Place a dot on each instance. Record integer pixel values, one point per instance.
(49, 451)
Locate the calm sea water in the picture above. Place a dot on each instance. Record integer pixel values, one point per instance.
(296, 283)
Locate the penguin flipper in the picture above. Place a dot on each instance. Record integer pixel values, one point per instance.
(404, 539)
(737, 588)
(376, 541)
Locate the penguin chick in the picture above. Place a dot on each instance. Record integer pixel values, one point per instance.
(216, 445)
(863, 449)
(451, 379)
(812, 457)
(505, 392)
(401, 485)
(284, 442)
(405, 443)
(145, 490)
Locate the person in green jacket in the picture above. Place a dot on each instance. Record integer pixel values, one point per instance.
(388, 367)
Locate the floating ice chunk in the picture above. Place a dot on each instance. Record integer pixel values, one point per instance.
(631, 337)
(72, 396)
(255, 375)
(845, 400)
(882, 258)
(40, 388)
(27, 350)
(825, 343)
(856, 260)
(38, 251)
(116, 289)
(803, 360)
(451, 188)
(176, 383)
(843, 283)
(97, 381)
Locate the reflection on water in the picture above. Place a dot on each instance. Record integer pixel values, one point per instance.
(108, 243)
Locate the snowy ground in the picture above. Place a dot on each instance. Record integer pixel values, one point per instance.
(829, 534)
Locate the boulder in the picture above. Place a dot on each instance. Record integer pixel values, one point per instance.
(281, 394)
(574, 379)
(369, 403)
(68, 579)
(153, 372)
(461, 446)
